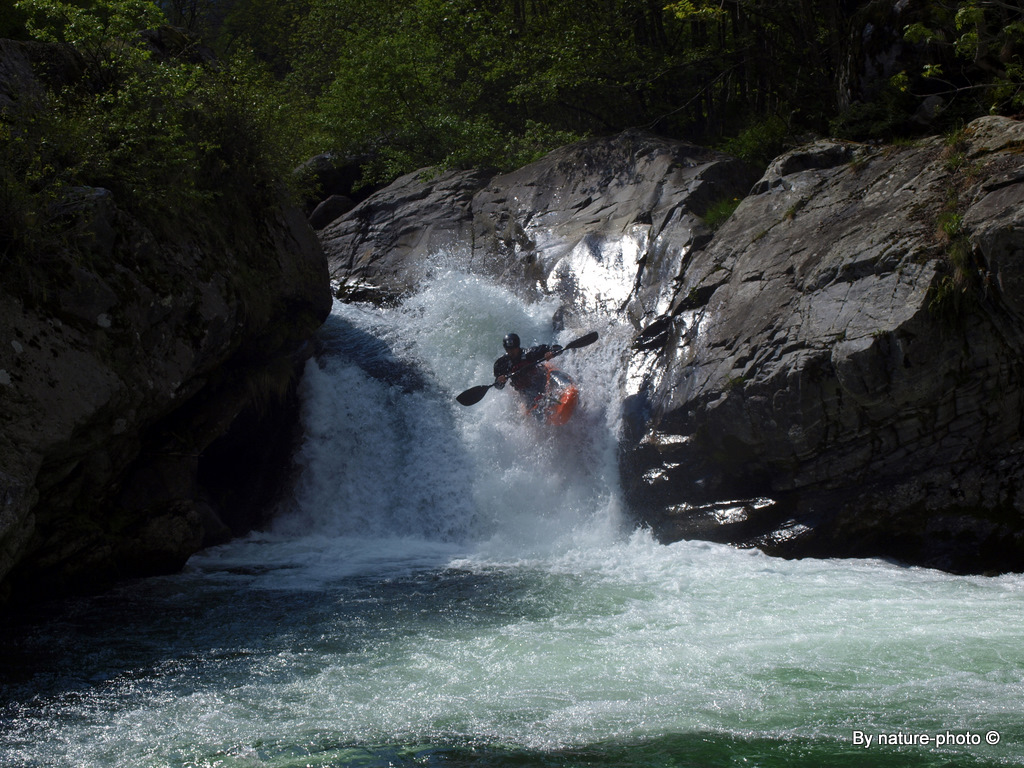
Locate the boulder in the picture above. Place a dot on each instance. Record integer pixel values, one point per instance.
(330, 209)
(122, 369)
(379, 248)
(605, 223)
(598, 222)
(850, 381)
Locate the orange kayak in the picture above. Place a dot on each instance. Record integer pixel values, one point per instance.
(558, 401)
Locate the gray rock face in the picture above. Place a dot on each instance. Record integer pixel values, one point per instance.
(835, 372)
(604, 224)
(599, 222)
(146, 371)
(379, 248)
(144, 387)
(850, 383)
(121, 369)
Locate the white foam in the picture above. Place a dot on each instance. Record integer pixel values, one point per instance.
(464, 576)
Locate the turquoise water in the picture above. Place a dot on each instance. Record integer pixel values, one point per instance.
(455, 587)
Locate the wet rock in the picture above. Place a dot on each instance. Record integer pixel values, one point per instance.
(600, 223)
(604, 224)
(382, 245)
(847, 368)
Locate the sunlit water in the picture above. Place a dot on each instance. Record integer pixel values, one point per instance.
(456, 586)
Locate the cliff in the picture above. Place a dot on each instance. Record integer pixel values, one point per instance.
(835, 371)
(845, 359)
(145, 379)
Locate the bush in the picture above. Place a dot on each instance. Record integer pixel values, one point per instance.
(168, 135)
(718, 213)
(760, 143)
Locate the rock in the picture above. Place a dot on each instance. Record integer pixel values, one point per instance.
(329, 210)
(145, 381)
(17, 80)
(121, 379)
(25, 67)
(604, 223)
(929, 110)
(330, 176)
(600, 222)
(838, 370)
(381, 246)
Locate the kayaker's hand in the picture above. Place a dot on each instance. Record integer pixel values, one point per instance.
(500, 382)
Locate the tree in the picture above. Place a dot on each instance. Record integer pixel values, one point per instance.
(105, 33)
(196, 17)
(987, 35)
(166, 134)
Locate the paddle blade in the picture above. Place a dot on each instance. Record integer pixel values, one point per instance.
(582, 341)
(473, 395)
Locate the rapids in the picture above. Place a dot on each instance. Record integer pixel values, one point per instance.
(452, 586)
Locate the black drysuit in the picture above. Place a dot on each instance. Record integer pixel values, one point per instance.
(527, 379)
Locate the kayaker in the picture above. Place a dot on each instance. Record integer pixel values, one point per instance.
(519, 365)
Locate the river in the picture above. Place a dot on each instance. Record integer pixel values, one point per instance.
(457, 586)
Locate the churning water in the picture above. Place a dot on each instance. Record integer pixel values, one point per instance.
(452, 586)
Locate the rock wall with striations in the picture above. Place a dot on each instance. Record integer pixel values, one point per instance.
(850, 380)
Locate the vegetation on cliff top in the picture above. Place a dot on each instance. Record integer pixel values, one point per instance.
(407, 83)
(238, 92)
(140, 111)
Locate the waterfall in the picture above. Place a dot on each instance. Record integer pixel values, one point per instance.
(390, 464)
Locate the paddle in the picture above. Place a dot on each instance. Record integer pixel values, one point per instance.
(474, 395)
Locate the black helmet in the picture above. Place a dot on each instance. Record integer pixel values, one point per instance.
(511, 341)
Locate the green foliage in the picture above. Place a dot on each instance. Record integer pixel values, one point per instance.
(438, 89)
(718, 213)
(193, 16)
(952, 224)
(169, 136)
(885, 117)
(759, 143)
(105, 33)
(31, 154)
(918, 32)
(686, 10)
(983, 42)
(960, 286)
(451, 83)
(265, 27)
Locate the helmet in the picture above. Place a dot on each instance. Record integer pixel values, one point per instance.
(511, 341)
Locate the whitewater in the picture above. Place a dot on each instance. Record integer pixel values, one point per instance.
(460, 586)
